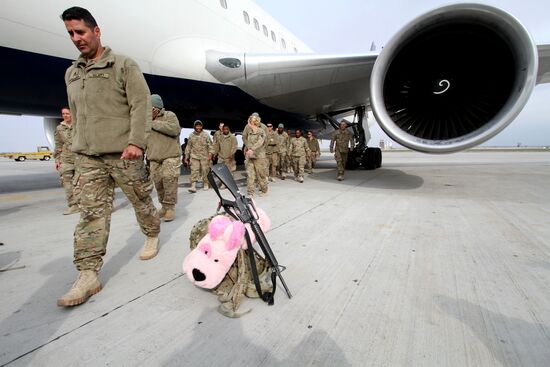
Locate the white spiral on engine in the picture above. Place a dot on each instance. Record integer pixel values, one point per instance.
(441, 83)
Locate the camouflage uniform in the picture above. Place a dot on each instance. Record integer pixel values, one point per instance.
(315, 150)
(283, 148)
(199, 146)
(340, 144)
(256, 166)
(110, 103)
(225, 148)
(299, 151)
(164, 155)
(272, 152)
(64, 155)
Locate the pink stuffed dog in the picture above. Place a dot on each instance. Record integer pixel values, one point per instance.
(209, 262)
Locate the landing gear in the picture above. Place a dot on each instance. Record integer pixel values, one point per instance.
(369, 158)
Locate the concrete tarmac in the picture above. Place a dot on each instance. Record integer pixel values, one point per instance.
(427, 261)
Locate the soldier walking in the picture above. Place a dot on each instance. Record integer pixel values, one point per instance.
(315, 151)
(64, 159)
(283, 151)
(164, 155)
(254, 137)
(198, 155)
(341, 143)
(225, 147)
(299, 151)
(110, 103)
(272, 151)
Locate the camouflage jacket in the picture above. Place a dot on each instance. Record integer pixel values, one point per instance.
(273, 143)
(164, 140)
(198, 146)
(110, 103)
(313, 145)
(63, 141)
(256, 142)
(225, 146)
(343, 139)
(299, 147)
(283, 146)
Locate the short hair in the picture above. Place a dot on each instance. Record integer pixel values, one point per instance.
(78, 13)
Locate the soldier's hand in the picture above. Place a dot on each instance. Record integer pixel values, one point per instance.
(132, 153)
(57, 165)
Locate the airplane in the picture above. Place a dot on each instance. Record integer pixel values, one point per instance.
(220, 60)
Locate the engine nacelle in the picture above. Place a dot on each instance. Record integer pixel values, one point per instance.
(453, 78)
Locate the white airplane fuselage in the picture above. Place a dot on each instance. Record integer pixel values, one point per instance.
(167, 38)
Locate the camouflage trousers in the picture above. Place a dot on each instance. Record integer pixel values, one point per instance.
(299, 163)
(66, 176)
(273, 161)
(282, 165)
(256, 170)
(199, 169)
(341, 159)
(96, 177)
(311, 160)
(165, 175)
(229, 162)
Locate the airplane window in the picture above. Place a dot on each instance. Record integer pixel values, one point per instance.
(283, 42)
(265, 30)
(256, 24)
(223, 3)
(273, 37)
(246, 17)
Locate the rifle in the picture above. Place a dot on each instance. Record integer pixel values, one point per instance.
(243, 209)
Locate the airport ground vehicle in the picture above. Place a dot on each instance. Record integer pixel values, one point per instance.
(42, 153)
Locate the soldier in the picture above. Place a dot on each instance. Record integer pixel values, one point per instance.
(164, 155)
(198, 155)
(215, 138)
(315, 150)
(341, 143)
(289, 160)
(272, 151)
(225, 148)
(299, 151)
(254, 139)
(283, 149)
(64, 159)
(111, 108)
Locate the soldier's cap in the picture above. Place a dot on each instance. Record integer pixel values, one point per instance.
(281, 126)
(255, 114)
(197, 122)
(156, 101)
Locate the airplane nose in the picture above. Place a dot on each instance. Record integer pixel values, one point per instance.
(198, 275)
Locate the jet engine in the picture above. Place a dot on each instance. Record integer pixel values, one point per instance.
(453, 78)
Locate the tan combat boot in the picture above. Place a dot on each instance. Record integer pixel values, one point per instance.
(71, 210)
(170, 213)
(162, 212)
(85, 286)
(150, 248)
(193, 187)
(205, 186)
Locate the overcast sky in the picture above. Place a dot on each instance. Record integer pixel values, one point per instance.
(350, 26)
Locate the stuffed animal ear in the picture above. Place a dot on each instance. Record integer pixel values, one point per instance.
(217, 226)
(263, 220)
(234, 235)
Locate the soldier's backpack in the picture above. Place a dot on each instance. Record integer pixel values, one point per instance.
(238, 281)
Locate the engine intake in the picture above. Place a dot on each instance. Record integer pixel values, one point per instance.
(453, 78)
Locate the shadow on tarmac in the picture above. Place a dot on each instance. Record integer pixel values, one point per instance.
(317, 348)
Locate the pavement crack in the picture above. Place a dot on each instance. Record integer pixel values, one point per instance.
(92, 320)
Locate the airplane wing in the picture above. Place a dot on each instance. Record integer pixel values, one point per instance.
(309, 84)
(543, 75)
